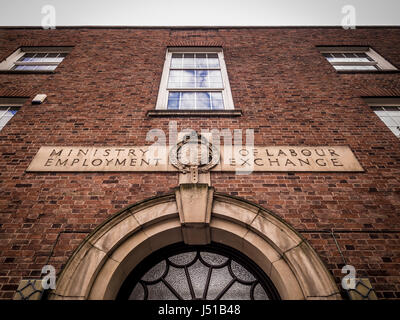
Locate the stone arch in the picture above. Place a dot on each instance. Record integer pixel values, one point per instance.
(102, 262)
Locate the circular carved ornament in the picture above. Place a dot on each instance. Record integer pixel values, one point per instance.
(194, 151)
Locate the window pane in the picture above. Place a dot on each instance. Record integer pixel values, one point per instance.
(395, 130)
(6, 113)
(175, 79)
(347, 57)
(187, 100)
(392, 111)
(201, 60)
(26, 57)
(38, 57)
(397, 120)
(3, 122)
(213, 60)
(195, 100)
(338, 55)
(3, 110)
(388, 121)
(220, 278)
(10, 112)
(215, 79)
(195, 79)
(53, 59)
(351, 60)
(203, 100)
(176, 60)
(42, 67)
(202, 79)
(33, 67)
(259, 293)
(173, 100)
(237, 291)
(188, 79)
(176, 277)
(188, 60)
(30, 68)
(159, 291)
(356, 68)
(42, 57)
(217, 100)
(364, 55)
(198, 276)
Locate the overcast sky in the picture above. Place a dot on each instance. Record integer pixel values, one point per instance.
(199, 12)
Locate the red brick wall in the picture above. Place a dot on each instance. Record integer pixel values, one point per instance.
(289, 94)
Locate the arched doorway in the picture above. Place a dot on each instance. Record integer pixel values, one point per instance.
(101, 265)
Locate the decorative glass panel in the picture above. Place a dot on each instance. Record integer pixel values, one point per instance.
(200, 274)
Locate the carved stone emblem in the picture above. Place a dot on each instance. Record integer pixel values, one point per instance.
(194, 154)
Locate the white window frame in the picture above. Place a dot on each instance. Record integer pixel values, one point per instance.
(162, 99)
(383, 102)
(378, 61)
(11, 61)
(11, 102)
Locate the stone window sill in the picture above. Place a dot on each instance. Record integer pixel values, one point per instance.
(194, 113)
(27, 71)
(367, 71)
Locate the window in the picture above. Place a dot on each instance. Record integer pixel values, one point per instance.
(36, 59)
(194, 79)
(8, 108)
(212, 272)
(355, 59)
(388, 110)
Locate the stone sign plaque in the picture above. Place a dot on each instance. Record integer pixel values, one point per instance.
(155, 159)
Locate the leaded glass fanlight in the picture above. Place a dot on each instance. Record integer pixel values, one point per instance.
(212, 272)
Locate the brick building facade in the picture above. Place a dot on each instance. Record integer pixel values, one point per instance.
(286, 90)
